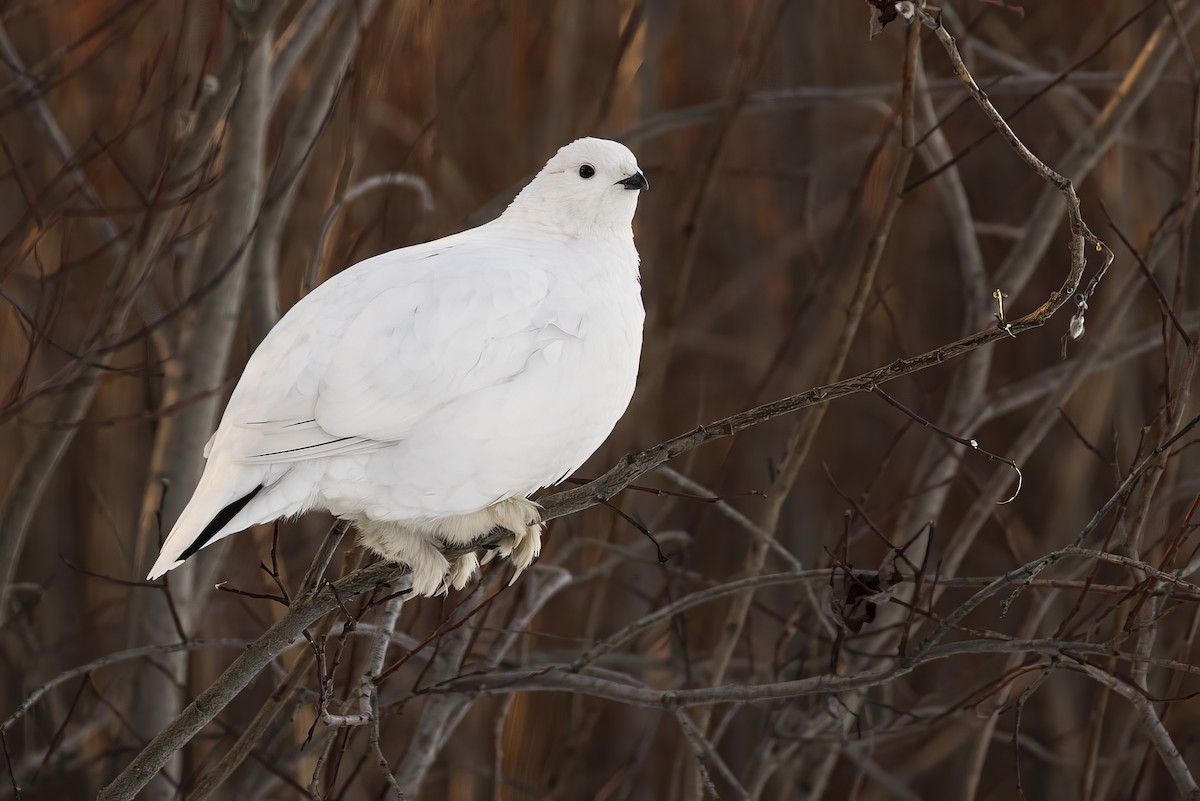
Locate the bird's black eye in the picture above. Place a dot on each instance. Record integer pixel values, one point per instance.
(587, 171)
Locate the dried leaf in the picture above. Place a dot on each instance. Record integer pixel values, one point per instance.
(882, 12)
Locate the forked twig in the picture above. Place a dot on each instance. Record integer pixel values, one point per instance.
(973, 444)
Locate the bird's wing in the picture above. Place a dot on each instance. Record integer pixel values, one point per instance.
(471, 317)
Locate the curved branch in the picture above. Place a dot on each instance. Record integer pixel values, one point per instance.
(310, 608)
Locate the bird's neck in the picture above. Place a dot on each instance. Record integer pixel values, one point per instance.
(609, 249)
(569, 218)
(546, 220)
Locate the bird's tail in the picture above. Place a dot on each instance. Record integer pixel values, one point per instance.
(223, 504)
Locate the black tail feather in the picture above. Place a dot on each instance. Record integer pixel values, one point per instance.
(218, 522)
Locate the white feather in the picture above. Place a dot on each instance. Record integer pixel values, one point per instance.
(425, 393)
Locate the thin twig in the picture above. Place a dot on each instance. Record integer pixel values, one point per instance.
(970, 443)
(112, 659)
(405, 179)
(706, 755)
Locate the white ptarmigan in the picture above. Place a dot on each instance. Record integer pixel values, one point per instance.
(426, 393)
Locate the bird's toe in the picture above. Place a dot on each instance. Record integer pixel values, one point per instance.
(525, 548)
(462, 570)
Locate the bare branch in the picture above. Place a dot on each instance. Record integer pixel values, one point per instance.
(405, 179)
(1168, 751)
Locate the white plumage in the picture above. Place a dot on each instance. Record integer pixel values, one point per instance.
(425, 393)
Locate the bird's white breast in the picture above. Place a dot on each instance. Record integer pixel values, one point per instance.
(510, 438)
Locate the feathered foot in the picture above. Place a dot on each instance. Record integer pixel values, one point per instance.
(419, 544)
(521, 517)
(399, 543)
(462, 570)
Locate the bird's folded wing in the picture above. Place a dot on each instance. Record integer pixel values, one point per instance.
(408, 351)
(279, 441)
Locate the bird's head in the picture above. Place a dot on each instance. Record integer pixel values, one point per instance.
(590, 186)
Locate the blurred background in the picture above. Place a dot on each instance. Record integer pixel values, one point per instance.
(176, 174)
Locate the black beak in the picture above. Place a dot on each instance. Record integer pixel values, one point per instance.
(635, 181)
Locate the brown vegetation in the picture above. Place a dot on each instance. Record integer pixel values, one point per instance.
(861, 287)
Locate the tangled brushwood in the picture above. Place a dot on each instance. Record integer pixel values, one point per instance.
(909, 503)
